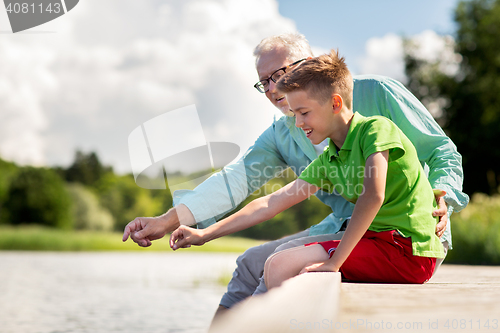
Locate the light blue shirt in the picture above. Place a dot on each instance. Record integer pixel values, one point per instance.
(283, 145)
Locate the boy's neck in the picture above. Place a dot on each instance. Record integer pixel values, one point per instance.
(344, 119)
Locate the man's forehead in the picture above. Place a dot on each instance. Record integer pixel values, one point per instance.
(271, 61)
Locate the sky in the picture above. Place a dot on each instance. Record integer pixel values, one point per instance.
(91, 77)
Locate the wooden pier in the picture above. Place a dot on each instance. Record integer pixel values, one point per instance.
(457, 299)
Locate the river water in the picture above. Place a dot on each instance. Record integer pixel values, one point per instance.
(110, 292)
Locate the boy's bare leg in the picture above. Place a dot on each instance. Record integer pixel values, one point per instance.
(283, 265)
(294, 243)
(249, 269)
(288, 263)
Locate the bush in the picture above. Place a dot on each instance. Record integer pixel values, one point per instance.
(476, 232)
(126, 201)
(7, 172)
(87, 213)
(38, 195)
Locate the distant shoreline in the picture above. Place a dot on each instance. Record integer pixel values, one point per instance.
(37, 238)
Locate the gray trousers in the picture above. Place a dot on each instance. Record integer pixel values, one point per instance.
(248, 277)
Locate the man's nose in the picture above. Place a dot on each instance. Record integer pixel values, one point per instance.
(272, 86)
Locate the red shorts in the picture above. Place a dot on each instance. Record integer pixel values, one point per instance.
(383, 257)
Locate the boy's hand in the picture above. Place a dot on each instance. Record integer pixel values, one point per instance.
(143, 230)
(325, 266)
(184, 237)
(442, 212)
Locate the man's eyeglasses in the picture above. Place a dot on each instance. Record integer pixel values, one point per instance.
(263, 85)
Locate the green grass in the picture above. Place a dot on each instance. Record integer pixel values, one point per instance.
(476, 232)
(35, 238)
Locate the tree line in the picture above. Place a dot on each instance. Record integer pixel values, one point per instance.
(89, 196)
(86, 195)
(470, 97)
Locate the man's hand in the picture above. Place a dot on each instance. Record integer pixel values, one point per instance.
(442, 212)
(185, 237)
(143, 230)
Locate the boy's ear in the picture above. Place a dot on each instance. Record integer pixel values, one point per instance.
(337, 103)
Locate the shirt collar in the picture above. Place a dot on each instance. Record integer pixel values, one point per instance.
(356, 121)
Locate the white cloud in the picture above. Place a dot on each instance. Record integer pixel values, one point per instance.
(384, 55)
(317, 51)
(433, 47)
(112, 65)
(24, 84)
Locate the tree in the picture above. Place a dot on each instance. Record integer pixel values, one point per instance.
(88, 214)
(38, 195)
(86, 169)
(121, 196)
(472, 95)
(8, 171)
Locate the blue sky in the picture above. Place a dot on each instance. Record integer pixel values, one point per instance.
(348, 25)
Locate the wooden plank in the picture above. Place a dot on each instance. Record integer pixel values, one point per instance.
(306, 302)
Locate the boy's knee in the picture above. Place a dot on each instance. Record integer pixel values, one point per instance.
(275, 261)
(279, 267)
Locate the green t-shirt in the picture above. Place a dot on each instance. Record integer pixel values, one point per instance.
(409, 200)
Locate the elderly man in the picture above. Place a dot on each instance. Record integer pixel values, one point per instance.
(283, 145)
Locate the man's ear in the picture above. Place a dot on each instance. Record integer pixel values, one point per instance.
(337, 103)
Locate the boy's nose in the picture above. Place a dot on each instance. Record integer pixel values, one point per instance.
(298, 122)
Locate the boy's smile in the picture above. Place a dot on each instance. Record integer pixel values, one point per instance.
(320, 121)
(314, 118)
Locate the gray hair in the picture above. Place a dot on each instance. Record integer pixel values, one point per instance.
(296, 44)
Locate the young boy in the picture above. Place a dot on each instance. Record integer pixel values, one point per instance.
(371, 163)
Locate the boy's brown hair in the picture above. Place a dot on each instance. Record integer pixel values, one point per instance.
(320, 77)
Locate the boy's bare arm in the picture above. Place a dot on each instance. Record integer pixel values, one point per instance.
(367, 207)
(259, 210)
